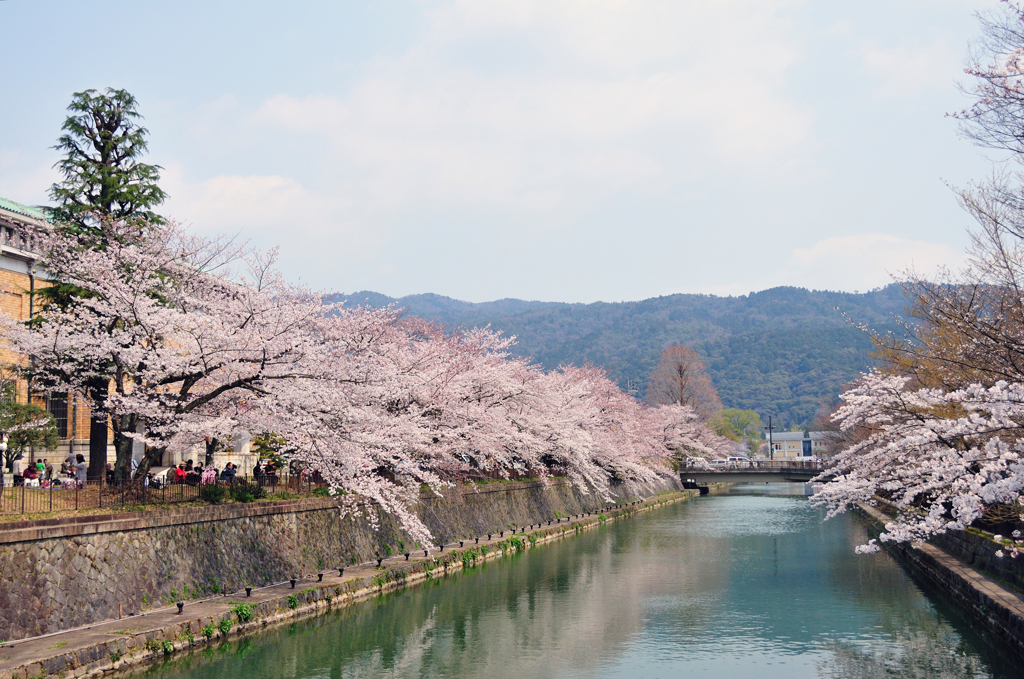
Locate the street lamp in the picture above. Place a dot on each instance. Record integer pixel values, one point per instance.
(771, 449)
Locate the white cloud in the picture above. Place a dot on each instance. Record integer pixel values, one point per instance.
(271, 211)
(539, 106)
(504, 123)
(906, 71)
(531, 148)
(865, 261)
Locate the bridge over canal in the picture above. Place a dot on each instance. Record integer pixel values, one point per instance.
(765, 472)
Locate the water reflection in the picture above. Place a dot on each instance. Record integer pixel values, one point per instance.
(748, 583)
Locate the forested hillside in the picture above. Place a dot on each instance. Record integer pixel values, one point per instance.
(780, 352)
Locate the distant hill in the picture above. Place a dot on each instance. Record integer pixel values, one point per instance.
(779, 352)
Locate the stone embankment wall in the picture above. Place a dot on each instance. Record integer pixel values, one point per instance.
(131, 644)
(980, 553)
(956, 564)
(61, 574)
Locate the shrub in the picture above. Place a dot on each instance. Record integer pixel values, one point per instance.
(208, 632)
(214, 493)
(322, 492)
(293, 601)
(224, 625)
(243, 491)
(244, 612)
(168, 647)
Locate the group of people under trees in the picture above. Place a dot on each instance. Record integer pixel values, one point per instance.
(42, 474)
(192, 474)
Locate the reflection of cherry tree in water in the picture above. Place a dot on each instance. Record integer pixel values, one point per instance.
(932, 650)
(643, 597)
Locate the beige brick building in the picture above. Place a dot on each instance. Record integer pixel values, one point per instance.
(20, 277)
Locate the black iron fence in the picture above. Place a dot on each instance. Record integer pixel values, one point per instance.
(67, 494)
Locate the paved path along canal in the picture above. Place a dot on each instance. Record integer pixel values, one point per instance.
(747, 583)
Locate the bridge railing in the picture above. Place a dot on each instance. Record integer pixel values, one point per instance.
(755, 465)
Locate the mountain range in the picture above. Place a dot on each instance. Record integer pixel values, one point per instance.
(783, 352)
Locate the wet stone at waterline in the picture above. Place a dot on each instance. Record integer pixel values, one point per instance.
(749, 583)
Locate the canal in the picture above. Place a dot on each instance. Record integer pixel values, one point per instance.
(747, 583)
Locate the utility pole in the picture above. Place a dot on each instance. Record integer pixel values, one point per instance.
(770, 428)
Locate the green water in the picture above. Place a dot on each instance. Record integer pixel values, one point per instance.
(750, 583)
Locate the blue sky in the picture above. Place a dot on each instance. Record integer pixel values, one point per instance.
(565, 151)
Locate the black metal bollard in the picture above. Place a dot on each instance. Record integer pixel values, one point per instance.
(341, 572)
(293, 581)
(248, 592)
(425, 553)
(488, 536)
(407, 555)
(462, 543)
(181, 606)
(319, 577)
(477, 541)
(380, 560)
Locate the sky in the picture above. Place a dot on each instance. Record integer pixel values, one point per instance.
(558, 151)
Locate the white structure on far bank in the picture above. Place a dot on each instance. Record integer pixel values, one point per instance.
(793, 445)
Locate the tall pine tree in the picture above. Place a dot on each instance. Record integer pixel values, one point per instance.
(101, 175)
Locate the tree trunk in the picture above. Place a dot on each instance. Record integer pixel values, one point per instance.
(98, 430)
(211, 448)
(149, 458)
(123, 445)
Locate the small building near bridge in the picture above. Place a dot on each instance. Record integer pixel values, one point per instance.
(793, 445)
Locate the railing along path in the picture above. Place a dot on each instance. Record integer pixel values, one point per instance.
(63, 494)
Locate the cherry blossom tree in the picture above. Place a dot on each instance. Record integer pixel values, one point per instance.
(936, 433)
(202, 339)
(939, 458)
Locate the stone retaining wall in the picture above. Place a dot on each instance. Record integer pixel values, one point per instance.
(57, 575)
(131, 644)
(980, 553)
(998, 619)
(998, 608)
